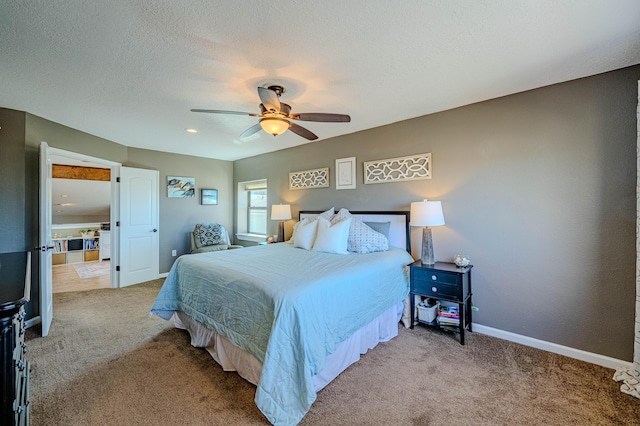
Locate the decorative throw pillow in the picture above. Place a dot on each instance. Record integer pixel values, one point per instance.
(363, 239)
(305, 234)
(381, 227)
(332, 238)
(208, 234)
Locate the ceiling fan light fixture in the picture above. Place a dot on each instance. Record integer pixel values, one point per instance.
(274, 126)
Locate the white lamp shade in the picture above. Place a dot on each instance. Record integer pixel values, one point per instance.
(426, 213)
(280, 212)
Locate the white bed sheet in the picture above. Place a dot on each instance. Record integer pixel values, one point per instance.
(232, 358)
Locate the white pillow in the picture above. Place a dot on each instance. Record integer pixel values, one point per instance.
(305, 234)
(340, 216)
(326, 214)
(332, 238)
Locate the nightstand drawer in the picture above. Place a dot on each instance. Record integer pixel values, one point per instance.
(435, 289)
(435, 276)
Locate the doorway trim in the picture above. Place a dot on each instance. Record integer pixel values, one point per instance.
(113, 216)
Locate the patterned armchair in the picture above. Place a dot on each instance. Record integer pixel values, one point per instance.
(208, 237)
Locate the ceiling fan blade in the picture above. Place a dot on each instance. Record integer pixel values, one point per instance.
(218, 111)
(269, 99)
(301, 131)
(250, 131)
(322, 117)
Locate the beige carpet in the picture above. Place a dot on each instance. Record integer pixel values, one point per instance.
(106, 362)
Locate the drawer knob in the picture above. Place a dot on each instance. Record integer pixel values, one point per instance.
(434, 289)
(433, 277)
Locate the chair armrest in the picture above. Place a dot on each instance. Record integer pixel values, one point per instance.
(207, 249)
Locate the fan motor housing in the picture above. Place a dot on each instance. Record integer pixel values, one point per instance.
(285, 109)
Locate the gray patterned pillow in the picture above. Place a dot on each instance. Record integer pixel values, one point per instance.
(381, 227)
(208, 234)
(362, 239)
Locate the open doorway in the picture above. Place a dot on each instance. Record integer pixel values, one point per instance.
(81, 211)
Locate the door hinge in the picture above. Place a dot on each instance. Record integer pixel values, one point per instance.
(118, 223)
(118, 268)
(118, 179)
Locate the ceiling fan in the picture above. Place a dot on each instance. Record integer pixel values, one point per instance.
(276, 117)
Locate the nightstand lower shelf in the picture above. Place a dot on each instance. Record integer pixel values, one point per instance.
(461, 328)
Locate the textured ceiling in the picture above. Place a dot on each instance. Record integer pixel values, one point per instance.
(130, 71)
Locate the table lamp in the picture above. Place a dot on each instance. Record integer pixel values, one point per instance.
(281, 212)
(427, 213)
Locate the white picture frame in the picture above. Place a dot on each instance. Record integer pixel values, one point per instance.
(346, 173)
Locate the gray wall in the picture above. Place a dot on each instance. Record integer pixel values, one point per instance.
(13, 225)
(178, 216)
(16, 214)
(20, 137)
(538, 188)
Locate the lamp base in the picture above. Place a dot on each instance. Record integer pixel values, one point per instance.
(426, 256)
(281, 232)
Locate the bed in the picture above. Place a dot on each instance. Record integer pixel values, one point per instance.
(289, 319)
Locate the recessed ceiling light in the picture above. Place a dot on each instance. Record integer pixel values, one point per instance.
(64, 195)
(191, 130)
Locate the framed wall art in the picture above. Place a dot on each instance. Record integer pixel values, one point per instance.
(208, 196)
(181, 187)
(346, 173)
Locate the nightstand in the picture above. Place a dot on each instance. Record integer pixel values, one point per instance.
(443, 281)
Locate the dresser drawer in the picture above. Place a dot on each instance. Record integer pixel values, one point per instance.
(435, 289)
(435, 276)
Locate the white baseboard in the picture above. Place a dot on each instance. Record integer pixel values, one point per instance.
(164, 275)
(597, 359)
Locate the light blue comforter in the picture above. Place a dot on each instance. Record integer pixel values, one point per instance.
(287, 306)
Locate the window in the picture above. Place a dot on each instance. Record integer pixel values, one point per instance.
(252, 211)
(257, 211)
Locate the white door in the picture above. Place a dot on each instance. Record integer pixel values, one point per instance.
(46, 281)
(139, 230)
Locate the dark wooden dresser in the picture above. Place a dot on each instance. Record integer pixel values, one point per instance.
(15, 288)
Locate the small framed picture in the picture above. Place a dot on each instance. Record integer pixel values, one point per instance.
(209, 196)
(346, 173)
(181, 187)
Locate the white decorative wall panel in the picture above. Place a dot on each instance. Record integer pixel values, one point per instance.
(412, 167)
(317, 178)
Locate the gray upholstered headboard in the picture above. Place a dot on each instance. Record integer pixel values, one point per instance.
(398, 229)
